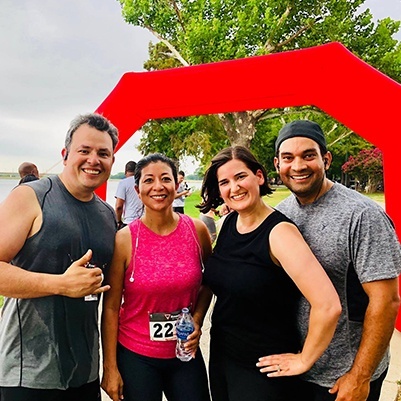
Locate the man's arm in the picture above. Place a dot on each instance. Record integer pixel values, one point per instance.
(182, 193)
(15, 229)
(378, 328)
(119, 207)
(120, 200)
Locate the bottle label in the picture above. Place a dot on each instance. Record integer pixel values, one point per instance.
(183, 331)
(162, 326)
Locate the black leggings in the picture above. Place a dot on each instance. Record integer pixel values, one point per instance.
(145, 378)
(87, 392)
(233, 381)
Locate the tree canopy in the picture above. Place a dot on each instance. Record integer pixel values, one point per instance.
(191, 32)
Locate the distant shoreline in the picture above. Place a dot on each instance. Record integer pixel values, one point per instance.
(15, 176)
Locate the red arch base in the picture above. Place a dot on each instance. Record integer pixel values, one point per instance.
(328, 76)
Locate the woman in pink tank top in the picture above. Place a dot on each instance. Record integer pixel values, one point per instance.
(156, 271)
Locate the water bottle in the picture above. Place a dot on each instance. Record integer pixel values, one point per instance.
(184, 327)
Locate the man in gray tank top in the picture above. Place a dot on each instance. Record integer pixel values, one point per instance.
(57, 237)
(355, 241)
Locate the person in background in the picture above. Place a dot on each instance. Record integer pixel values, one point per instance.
(356, 243)
(49, 339)
(182, 192)
(259, 268)
(209, 219)
(28, 172)
(28, 178)
(128, 206)
(223, 211)
(156, 271)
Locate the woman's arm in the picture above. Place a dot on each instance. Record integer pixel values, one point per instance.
(311, 279)
(205, 295)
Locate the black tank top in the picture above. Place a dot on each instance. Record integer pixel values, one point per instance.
(256, 300)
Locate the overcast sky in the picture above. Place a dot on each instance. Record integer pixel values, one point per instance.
(62, 58)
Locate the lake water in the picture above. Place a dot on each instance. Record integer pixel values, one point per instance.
(6, 185)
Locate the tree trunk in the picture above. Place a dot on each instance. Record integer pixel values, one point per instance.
(372, 185)
(240, 127)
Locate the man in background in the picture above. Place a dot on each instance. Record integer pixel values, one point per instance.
(128, 206)
(28, 172)
(182, 191)
(51, 261)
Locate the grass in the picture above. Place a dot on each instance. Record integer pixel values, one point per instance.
(377, 196)
(276, 197)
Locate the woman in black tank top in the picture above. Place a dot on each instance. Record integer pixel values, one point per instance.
(260, 267)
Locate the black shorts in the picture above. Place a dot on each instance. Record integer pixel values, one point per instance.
(87, 392)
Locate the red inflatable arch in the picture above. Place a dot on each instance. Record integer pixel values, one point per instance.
(329, 77)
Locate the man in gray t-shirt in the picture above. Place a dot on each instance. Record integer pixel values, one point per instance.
(128, 206)
(355, 241)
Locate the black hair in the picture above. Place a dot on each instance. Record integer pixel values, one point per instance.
(154, 158)
(28, 178)
(130, 166)
(210, 192)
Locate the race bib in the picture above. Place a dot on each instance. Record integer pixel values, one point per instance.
(162, 326)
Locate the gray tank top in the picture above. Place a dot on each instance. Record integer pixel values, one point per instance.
(53, 342)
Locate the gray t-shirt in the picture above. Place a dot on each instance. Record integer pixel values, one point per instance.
(355, 241)
(53, 342)
(133, 206)
(180, 201)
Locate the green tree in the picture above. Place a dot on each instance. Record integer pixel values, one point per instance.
(367, 168)
(198, 136)
(193, 32)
